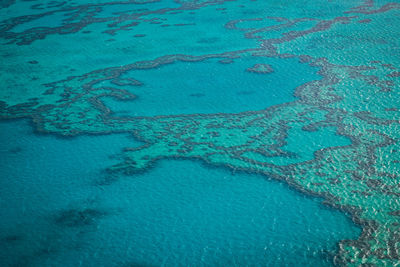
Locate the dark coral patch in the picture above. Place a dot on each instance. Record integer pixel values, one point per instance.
(364, 21)
(12, 238)
(261, 68)
(78, 218)
(197, 95)
(15, 150)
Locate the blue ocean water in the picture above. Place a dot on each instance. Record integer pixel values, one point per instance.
(59, 207)
(213, 87)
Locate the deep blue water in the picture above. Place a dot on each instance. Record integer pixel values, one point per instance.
(59, 206)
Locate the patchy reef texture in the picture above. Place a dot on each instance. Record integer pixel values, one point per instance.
(354, 45)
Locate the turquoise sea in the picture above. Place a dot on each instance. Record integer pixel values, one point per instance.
(199, 133)
(59, 208)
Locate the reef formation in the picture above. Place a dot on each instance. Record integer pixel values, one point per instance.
(354, 45)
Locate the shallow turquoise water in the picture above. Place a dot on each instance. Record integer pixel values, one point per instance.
(213, 87)
(60, 207)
